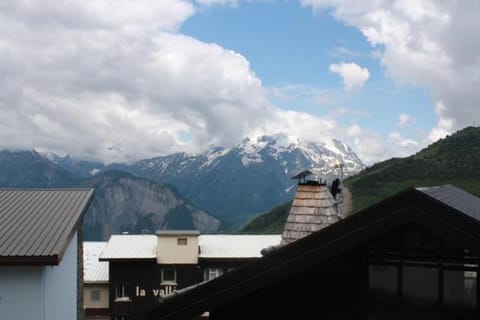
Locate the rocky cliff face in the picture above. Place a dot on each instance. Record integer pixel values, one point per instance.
(124, 203)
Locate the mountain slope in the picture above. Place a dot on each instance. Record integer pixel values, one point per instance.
(124, 203)
(237, 183)
(29, 169)
(269, 222)
(454, 159)
(80, 168)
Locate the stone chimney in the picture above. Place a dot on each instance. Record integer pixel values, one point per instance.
(313, 208)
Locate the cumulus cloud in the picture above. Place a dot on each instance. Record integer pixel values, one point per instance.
(353, 76)
(344, 52)
(397, 138)
(354, 130)
(427, 43)
(116, 81)
(233, 3)
(444, 126)
(404, 119)
(370, 147)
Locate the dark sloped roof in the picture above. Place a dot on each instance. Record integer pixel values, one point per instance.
(36, 225)
(455, 198)
(432, 212)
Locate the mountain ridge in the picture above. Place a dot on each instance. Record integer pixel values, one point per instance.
(239, 182)
(142, 205)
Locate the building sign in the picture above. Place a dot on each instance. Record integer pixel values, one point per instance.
(160, 292)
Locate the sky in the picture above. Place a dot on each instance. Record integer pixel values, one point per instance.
(119, 81)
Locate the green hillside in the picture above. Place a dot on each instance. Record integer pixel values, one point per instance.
(269, 222)
(452, 160)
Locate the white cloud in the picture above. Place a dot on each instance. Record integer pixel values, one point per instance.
(233, 3)
(354, 130)
(444, 125)
(115, 81)
(398, 139)
(370, 147)
(344, 52)
(426, 43)
(404, 119)
(353, 76)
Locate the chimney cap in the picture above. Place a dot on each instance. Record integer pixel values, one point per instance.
(302, 174)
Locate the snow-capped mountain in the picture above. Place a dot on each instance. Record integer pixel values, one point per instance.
(252, 177)
(319, 155)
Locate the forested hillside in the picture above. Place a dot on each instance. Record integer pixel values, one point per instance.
(453, 160)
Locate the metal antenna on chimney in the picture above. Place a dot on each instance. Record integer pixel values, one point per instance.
(337, 185)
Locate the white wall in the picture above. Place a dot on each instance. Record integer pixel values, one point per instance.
(21, 293)
(61, 286)
(169, 252)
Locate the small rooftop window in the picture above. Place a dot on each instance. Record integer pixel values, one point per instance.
(182, 241)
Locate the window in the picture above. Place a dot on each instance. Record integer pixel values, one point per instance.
(383, 279)
(95, 295)
(459, 288)
(169, 275)
(182, 241)
(121, 292)
(420, 283)
(212, 273)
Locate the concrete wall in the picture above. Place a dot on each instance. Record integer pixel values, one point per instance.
(170, 252)
(61, 286)
(22, 293)
(104, 296)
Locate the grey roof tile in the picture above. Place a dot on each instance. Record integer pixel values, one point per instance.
(455, 198)
(36, 224)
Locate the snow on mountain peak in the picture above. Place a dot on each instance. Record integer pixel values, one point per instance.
(213, 155)
(249, 151)
(321, 154)
(279, 141)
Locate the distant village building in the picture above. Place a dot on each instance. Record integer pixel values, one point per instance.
(143, 269)
(415, 255)
(40, 253)
(96, 296)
